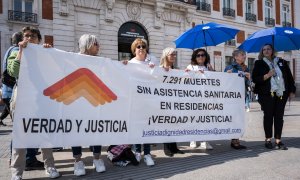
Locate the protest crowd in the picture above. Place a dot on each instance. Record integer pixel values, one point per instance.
(271, 80)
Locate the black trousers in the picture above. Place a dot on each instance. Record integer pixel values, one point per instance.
(6, 108)
(273, 108)
(170, 147)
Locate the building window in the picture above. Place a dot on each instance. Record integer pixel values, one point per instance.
(22, 11)
(228, 8)
(23, 5)
(193, 2)
(230, 42)
(268, 9)
(269, 21)
(228, 60)
(227, 4)
(250, 16)
(203, 5)
(286, 22)
(249, 6)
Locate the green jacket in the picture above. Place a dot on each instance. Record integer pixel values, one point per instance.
(13, 65)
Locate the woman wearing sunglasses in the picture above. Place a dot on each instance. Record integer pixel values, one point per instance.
(139, 50)
(200, 61)
(88, 45)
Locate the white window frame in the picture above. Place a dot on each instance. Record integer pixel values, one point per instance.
(286, 15)
(228, 4)
(250, 3)
(34, 5)
(268, 9)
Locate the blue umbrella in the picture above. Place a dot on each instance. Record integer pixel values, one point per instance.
(282, 38)
(210, 34)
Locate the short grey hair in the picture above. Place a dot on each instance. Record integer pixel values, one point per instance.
(167, 51)
(237, 52)
(85, 42)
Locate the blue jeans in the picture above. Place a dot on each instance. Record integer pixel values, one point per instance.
(138, 148)
(247, 100)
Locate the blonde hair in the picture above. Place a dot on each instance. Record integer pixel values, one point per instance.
(136, 42)
(167, 51)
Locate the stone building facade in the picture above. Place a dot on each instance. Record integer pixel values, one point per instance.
(118, 22)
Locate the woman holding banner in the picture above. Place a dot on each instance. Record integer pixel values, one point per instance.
(239, 66)
(88, 44)
(30, 35)
(274, 84)
(200, 61)
(139, 50)
(167, 61)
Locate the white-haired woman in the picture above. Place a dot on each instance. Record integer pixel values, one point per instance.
(89, 45)
(167, 61)
(239, 66)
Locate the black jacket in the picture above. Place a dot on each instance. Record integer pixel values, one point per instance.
(263, 87)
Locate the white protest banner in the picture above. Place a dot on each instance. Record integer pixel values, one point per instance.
(68, 99)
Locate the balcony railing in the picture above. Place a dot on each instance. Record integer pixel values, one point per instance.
(203, 6)
(286, 24)
(193, 2)
(270, 21)
(229, 12)
(230, 42)
(22, 16)
(250, 17)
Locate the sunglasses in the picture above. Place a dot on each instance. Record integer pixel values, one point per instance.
(200, 55)
(173, 54)
(96, 44)
(141, 47)
(30, 36)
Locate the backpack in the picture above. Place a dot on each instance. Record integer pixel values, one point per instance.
(5, 77)
(121, 155)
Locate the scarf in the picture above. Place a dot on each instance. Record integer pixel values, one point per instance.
(277, 81)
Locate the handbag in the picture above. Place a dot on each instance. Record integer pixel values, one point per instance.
(7, 79)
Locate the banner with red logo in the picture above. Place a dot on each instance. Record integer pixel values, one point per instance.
(70, 99)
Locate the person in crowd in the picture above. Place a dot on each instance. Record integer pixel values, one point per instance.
(248, 99)
(31, 161)
(200, 61)
(88, 45)
(167, 61)
(238, 66)
(139, 50)
(274, 84)
(30, 35)
(7, 90)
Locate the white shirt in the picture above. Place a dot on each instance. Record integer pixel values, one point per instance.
(147, 61)
(196, 68)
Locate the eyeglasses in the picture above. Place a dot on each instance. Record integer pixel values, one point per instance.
(200, 55)
(33, 36)
(96, 44)
(173, 54)
(141, 47)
